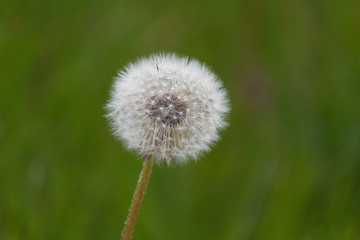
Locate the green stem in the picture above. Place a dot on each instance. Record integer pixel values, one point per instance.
(137, 200)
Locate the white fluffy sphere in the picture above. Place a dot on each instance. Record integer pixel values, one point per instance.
(167, 107)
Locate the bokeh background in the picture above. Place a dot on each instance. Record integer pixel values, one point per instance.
(288, 167)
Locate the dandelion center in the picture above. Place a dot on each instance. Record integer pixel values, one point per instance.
(166, 109)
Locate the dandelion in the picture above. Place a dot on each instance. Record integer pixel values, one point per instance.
(168, 109)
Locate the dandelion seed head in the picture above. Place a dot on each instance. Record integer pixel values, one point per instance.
(167, 107)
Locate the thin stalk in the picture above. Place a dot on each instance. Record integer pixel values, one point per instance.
(137, 199)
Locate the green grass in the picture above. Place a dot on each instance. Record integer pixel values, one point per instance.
(288, 167)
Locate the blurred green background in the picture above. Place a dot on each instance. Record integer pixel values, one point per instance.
(288, 167)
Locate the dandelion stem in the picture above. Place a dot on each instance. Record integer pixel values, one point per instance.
(137, 199)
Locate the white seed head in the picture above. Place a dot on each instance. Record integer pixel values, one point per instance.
(167, 107)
